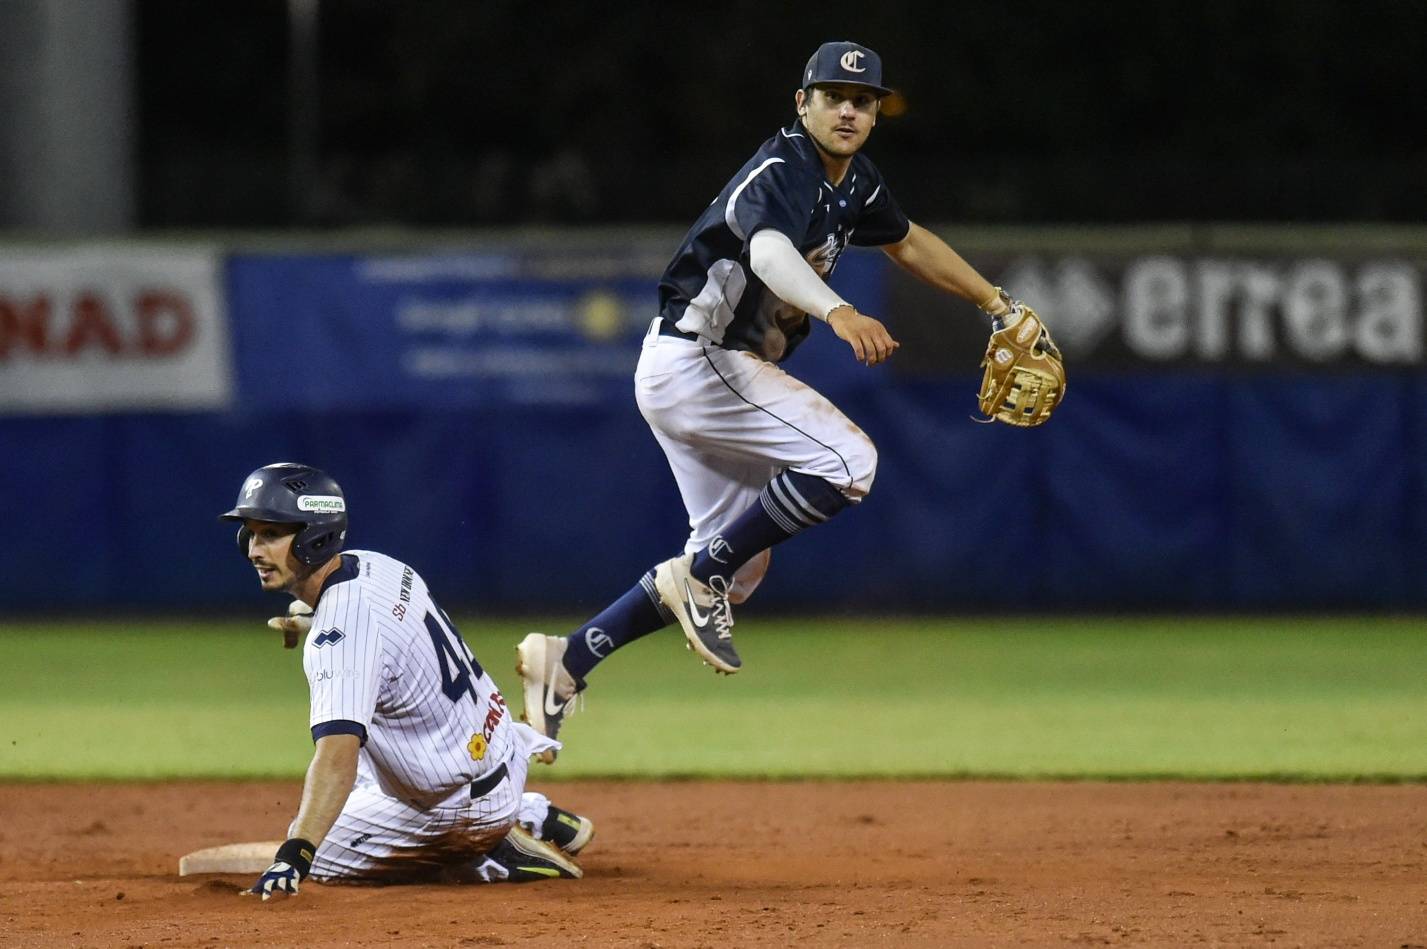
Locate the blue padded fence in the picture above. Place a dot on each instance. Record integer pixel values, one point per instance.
(1192, 489)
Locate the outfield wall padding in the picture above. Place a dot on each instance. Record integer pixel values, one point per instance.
(479, 412)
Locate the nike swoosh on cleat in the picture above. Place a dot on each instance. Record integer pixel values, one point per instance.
(557, 709)
(542, 871)
(700, 619)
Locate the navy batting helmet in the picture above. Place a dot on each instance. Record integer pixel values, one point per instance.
(287, 493)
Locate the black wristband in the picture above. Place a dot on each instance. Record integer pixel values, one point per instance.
(299, 853)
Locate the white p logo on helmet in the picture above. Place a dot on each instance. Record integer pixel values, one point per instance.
(850, 60)
(251, 488)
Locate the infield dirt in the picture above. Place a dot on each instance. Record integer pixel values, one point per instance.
(777, 864)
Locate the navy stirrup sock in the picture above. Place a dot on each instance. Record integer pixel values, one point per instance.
(638, 613)
(790, 503)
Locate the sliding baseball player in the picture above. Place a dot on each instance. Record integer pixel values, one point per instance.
(418, 772)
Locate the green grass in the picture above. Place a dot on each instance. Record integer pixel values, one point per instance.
(1285, 698)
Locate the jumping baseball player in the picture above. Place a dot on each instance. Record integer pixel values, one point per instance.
(758, 455)
(418, 772)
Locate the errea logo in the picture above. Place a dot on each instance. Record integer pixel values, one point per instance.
(851, 60)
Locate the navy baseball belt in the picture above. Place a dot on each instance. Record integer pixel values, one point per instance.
(484, 785)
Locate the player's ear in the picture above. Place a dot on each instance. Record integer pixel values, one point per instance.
(800, 102)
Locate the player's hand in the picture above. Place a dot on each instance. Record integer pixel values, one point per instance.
(291, 863)
(295, 625)
(869, 339)
(281, 877)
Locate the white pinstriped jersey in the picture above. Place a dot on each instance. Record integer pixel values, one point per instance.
(385, 663)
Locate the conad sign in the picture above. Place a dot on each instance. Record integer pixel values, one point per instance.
(94, 329)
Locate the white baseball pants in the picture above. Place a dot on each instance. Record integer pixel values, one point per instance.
(383, 839)
(728, 422)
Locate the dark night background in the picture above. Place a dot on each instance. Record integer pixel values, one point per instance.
(461, 114)
(412, 241)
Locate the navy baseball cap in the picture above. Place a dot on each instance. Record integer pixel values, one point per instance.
(845, 62)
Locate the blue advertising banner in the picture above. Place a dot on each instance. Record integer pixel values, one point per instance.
(450, 331)
(478, 409)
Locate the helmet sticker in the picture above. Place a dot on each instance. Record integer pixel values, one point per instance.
(322, 504)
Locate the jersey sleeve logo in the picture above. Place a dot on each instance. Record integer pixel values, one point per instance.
(326, 637)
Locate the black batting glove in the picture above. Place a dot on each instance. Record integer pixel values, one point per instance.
(291, 865)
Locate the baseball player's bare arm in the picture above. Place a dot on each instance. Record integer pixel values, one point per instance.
(926, 256)
(329, 780)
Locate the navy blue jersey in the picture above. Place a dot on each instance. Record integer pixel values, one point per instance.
(709, 287)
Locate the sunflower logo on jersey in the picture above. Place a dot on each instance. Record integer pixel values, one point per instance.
(477, 746)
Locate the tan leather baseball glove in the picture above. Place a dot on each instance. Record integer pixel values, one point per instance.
(1025, 377)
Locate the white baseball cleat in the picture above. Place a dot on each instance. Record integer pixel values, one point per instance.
(547, 687)
(703, 611)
